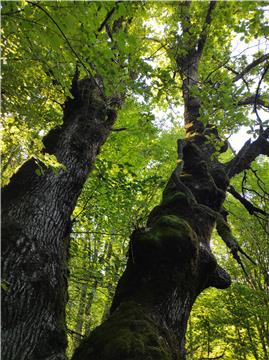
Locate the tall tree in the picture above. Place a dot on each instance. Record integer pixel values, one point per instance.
(50, 57)
(170, 260)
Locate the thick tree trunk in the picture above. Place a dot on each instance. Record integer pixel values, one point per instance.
(36, 223)
(170, 263)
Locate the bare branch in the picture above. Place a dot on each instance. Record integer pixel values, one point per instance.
(257, 96)
(250, 100)
(109, 14)
(248, 153)
(225, 233)
(202, 40)
(119, 129)
(247, 204)
(249, 67)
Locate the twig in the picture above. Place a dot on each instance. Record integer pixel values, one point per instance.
(257, 96)
(249, 67)
(108, 16)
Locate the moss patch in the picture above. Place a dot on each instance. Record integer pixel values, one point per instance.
(170, 239)
(176, 199)
(129, 334)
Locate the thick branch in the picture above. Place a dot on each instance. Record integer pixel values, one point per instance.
(250, 100)
(249, 67)
(225, 233)
(248, 153)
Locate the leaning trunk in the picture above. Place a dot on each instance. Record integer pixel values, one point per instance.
(36, 212)
(170, 263)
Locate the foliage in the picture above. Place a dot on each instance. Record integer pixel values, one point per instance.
(233, 324)
(44, 42)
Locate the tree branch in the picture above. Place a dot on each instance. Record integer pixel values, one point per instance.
(109, 14)
(202, 40)
(249, 67)
(119, 129)
(248, 153)
(250, 100)
(257, 96)
(225, 233)
(247, 204)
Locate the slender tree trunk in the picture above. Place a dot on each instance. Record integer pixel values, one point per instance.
(264, 337)
(252, 343)
(88, 307)
(80, 317)
(36, 224)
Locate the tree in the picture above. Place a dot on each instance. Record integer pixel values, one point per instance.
(170, 261)
(232, 324)
(38, 201)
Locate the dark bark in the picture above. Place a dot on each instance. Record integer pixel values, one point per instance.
(170, 263)
(248, 153)
(36, 224)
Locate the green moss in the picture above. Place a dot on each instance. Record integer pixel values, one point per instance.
(171, 228)
(175, 199)
(170, 235)
(129, 334)
(174, 222)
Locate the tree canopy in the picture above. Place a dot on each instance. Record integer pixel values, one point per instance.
(168, 70)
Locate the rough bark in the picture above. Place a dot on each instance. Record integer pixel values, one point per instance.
(36, 214)
(170, 263)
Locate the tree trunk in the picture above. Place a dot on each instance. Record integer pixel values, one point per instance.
(170, 263)
(80, 317)
(88, 307)
(36, 224)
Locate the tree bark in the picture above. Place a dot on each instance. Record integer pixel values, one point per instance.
(170, 263)
(36, 224)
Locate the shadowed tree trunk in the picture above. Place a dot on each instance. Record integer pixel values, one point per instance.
(170, 261)
(36, 224)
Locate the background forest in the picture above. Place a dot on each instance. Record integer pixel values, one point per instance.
(44, 44)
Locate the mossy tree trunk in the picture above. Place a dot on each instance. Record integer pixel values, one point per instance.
(170, 261)
(36, 224)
